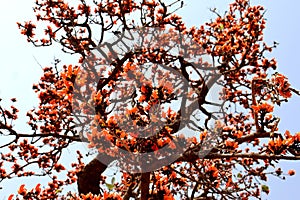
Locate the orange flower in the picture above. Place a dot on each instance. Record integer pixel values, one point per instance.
(168, 197)
(238, 134)
(160, 142)
(278, 143)
(38, 188)
(268, 116)
(229, 182)
(129, 67)
(283, 85)
(155, 94)
(10, 197)
(168, 129)
(291, 172)
(230, 143)
(172, 145)
(297, 137)
(264, 107)
(132, 110)
(213, 170)
(28, 29)
(287, 134)
(22, 190)
(154, 147)
(142, 98)
(203, 135)
(144, 89)
(288, 142)
(92, 197)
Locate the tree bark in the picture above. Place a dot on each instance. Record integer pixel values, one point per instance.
(89, 177)
(145, 181)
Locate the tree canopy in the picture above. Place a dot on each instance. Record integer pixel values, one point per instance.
(187, 112)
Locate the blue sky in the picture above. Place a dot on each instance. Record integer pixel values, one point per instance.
(19, 69)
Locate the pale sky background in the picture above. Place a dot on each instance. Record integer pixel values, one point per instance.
(19, 70)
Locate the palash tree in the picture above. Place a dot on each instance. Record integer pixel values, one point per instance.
(233, 148)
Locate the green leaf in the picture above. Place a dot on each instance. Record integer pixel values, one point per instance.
(58, 191)
(239, 175)
(265, 189)
(221, 27)
(109, 186)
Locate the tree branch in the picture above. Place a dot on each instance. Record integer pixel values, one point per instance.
(145, 181)
(89, 177)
